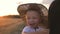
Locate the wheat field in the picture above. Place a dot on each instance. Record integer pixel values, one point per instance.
(11, 25)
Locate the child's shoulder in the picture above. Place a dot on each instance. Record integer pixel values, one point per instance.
(26, 29)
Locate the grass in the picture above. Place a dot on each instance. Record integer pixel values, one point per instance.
(11, 25)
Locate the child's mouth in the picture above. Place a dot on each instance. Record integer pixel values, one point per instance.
(33, 24)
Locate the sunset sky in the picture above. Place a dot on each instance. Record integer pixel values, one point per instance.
(9, 7)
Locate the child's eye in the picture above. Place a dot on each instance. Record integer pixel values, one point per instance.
(32, 18)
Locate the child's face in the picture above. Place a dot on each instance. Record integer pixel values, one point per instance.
(32, 18)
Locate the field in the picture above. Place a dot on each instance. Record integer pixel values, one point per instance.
(11, 25)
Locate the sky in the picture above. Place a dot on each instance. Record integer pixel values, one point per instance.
(9, 7)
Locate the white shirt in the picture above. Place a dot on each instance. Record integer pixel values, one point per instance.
(29, 29)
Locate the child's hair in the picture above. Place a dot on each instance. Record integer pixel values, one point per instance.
(22, 9)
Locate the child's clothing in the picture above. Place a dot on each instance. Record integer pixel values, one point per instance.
(29, 29)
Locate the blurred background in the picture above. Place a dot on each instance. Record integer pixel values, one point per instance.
(10, 21)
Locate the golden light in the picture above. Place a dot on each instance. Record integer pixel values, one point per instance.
(2, 14)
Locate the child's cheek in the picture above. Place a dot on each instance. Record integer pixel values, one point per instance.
(36, 20)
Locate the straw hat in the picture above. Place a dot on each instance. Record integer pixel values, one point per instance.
(22, 8)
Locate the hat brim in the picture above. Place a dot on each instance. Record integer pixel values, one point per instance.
(21, 8)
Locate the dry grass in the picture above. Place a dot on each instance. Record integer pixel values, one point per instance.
(11, 26)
